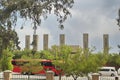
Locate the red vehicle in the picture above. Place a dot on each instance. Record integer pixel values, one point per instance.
(46, 65)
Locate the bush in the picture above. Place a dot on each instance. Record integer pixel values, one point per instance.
(5, 61)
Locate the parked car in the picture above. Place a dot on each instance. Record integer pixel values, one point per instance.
(107, 71)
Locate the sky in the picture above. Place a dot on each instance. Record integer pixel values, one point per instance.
(95, 17)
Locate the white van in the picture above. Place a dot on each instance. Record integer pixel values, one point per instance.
(107, 71)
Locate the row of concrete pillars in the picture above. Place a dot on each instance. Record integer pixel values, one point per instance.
(62, 42)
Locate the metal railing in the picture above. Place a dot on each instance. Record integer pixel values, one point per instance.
(39, 77)
(28, 77)
(24, 77)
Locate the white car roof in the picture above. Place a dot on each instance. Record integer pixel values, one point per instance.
(107, 67)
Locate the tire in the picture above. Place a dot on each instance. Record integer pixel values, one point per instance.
(24, 73)
(112, 74)
(100, 74)
(55, 74)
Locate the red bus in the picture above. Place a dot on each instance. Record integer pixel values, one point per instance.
(18, 64)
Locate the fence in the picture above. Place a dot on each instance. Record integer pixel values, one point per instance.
(23, 77)
(27, 77)
(7, 75)
(107, 78)
(85, 78)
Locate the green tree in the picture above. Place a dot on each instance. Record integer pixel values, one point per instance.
(32, 63)
(8, 39)
(60, 56)
(113, 60)
(18, 54)
(33, 10)
(76, 64)
(31, 66)
(81, 65)
(46, 54)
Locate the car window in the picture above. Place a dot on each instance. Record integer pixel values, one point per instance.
(112, 70)
(46, 64)
(104, 69)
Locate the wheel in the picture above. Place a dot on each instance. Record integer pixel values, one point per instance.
(24, 73)
(55, 74)
(100, 74)
(112, 74)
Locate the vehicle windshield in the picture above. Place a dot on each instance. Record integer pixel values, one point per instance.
(104, 70)
(46, 64)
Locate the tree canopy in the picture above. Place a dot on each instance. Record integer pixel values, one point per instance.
(75, 64)
(113, 60)
(8, 39)
(33, 10)
(11, 10)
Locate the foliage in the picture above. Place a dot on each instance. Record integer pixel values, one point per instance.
(113, 60)
(61, 58)
(76, 64)
(17, 54)
(26, 53)
(8, 39)
(45, 54)
(82, 65)
(5, 61)
(70, 64)
(93, 63)
(31, 67)
(33, 10)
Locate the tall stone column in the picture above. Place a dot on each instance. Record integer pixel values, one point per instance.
(62, 39)
(106, 43)
(35, 42)
(45, 42)
(27, 42)
(85, 44)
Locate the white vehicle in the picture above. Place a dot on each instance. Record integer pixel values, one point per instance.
(119, 71)
(108, 71)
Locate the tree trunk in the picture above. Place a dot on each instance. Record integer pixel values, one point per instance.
(74, 77)
(60, 76)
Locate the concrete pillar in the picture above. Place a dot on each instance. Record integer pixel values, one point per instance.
(95, 76)
(7, 75)
(62, 39)
(85, 44)
(45, 42)
(49, 75)
(106, 43)
(27, 42)
(35, 42)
